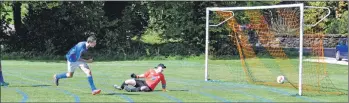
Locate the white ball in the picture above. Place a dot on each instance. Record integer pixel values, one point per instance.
(280, 79)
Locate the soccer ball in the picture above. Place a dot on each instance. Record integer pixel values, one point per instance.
(280, 79)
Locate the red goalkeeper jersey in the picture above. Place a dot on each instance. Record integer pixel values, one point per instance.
(152, 78)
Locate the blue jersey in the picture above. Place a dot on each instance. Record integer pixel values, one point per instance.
(74, 53)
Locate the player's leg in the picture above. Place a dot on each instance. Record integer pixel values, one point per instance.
(1, 78)
(145, 89)
(2, 82)
(135, 89)
(125, 83)
(71, 68)
(143, 86)
(138, 89)
(140, 86)
(84, 67)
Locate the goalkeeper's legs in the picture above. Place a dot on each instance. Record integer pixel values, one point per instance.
(131, 82)
(139, 86)
(121, 87)
(138, 89)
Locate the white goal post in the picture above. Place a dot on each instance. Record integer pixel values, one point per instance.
(231, 9)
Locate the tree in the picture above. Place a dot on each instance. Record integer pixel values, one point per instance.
(16, 7)
(311, 15)
(4, 24)
(3, 21)
(123, 24)
(113, 9)
(54, 27)
(184, 22)
(338, 25)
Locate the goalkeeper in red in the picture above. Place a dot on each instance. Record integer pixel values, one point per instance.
(152, 78)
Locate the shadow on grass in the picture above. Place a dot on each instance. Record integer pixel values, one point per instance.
(181, 90)
(49, 61)
(40, 85)
(119, 94)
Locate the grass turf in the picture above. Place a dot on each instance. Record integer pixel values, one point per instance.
(31, 81)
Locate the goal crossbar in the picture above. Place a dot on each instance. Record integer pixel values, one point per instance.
(253, 7)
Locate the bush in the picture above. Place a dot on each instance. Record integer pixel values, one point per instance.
(30, 56)
(338, 26)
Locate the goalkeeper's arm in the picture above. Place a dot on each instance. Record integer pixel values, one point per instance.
(137, 76)
(163, 82)
(133, 75)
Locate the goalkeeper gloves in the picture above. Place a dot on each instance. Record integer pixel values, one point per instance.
(133, 75)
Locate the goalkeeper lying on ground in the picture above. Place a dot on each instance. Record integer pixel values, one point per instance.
(152, 78)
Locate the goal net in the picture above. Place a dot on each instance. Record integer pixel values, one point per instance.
(262, 43)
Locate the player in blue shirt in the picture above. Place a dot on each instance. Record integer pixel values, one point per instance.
(2, 82)
(74, 61)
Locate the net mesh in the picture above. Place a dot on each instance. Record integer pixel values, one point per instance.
(265, 53)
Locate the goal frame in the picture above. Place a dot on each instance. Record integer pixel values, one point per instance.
(301, 29)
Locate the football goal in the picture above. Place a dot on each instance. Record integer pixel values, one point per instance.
(266, 41)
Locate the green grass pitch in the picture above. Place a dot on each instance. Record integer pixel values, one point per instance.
(31, 81)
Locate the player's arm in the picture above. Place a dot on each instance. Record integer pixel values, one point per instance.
(141, 75)
(86, 57)
(163, 82)
(133, 75)
(84, 60)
